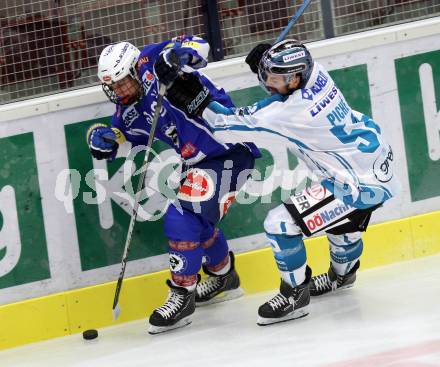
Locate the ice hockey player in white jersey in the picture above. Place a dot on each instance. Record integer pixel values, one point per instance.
(343, 148)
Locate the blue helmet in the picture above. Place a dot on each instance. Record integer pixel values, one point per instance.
(288, 58)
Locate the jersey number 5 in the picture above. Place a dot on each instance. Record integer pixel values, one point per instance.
(370, 141)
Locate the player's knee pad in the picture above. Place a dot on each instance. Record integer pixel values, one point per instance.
(289, 251)
(185, 261)
(183, 229)
(290, 256)
(345, 251)
(216, 249)
(279, 221)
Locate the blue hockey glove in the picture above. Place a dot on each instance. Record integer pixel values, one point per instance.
(102, 141)
(169, 63)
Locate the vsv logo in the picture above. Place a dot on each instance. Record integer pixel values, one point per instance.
(129, 115)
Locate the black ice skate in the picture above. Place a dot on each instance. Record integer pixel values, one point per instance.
(290, 303)
(176, 311)
(219, 288)
(330, 281)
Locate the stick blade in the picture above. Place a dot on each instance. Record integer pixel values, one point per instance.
(116, 312)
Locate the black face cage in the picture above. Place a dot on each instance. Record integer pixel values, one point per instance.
(110, 93)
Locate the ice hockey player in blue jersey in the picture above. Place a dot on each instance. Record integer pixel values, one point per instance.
(212, 167)
(343, 149)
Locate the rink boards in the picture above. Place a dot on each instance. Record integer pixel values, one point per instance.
(62, 229)
(74, 311)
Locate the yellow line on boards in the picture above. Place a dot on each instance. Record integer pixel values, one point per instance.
(72, 312)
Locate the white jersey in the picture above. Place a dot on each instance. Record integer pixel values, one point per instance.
(344, 148)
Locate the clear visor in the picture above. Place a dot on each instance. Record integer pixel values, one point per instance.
(262, 74)
(265, 69)
(271, 82)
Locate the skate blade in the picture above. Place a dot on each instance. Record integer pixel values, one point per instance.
(153, 330)
(297, 314)
(222, 297)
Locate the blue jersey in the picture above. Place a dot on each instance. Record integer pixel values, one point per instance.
(191, 137)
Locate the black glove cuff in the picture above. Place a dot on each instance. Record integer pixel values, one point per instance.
(199, 103)
(99, 154)
(189, 94)
(255, 55)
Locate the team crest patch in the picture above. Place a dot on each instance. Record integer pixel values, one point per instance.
(309, 197)
(188, 150)
(198, 186)
(226, 201)
(178, 262)
(317, 192)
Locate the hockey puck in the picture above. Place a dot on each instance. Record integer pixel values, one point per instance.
(90, 334)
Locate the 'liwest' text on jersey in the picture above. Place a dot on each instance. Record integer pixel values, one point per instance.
(324, 102)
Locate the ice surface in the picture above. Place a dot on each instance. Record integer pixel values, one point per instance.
(390, 318)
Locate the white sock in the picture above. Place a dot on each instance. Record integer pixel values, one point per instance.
(225, 269)
(343, 269)
(296, 277)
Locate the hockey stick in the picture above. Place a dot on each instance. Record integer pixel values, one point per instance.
(293, 20)
(116, 308)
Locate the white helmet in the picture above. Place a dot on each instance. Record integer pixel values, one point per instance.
(115, 63)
